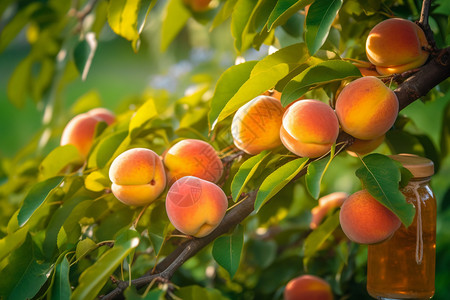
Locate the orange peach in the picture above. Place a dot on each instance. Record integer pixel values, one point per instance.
(326, 203)
(366, 108)
(81, 129)
(308, 287)
(366, 68)
(309, 128)
(195, 206)
(192, 157)
(364, 220)
(256, 125)
(363, 147)
(396, 45)
(138, 176)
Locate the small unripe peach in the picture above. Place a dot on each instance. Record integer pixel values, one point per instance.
(326, 203)
(308, 287)
(366, 108)
(138, 176)
(192, 157)
(396, 45)
(81, 129)
(365, 220)
(309, 128)
(256, 125)
(195, 206)
(363, 147)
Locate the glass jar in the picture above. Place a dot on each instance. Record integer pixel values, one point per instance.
(403, 267)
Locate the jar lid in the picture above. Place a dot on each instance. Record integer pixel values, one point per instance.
(417, 165)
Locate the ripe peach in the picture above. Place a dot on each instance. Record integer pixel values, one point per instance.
(365, 220)
(309, 128)
(308, 287)
(137, 176)
(364, 146)
(192, 157)
(366, 68)
(81, 129)
(395, 46)
(256, 125)
(326, 203)
(195, 206)
(366, 108)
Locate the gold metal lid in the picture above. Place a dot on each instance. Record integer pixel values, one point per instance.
(417, 165)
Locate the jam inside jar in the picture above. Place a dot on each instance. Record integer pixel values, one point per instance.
(403, 267)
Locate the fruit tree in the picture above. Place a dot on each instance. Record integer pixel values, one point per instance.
(218, 149)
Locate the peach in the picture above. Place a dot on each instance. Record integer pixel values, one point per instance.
(81, 129)
(364, 220)
(366, 108)
(272, 93)
(195, 206)
(192, 157)
(308, 287)
(326, 203)
(138, 176)
(256, 125)
(396, 45)
(366, 68)
(363, 147)
(309, 128)
(197, 5)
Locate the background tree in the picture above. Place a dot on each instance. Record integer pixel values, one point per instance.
(173, 70)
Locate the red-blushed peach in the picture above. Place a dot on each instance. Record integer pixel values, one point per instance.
(195, 206)
(363, 147)
(309, 128)
(366, 108)
(396, 45)
(80, 130)
(308, 287)
(364, 220)
(326, 203)
(138, 176)
(192, 157)
(366, 68)
(256, 125)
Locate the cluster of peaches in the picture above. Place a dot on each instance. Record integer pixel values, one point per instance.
(195, 204)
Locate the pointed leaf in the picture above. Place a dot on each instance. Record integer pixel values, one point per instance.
(316, 171)
(227, 250)
(284, 10)
(84, 54)
(12, 241)
(104, 151)
(123, 17)
(176, 16)
(228, 84)
(94, 278)
(130, 293)
(143, 115)
(57, 159)
(277, 180)
(158, 226)
(380, 175)
(319, 74)
(36, 197)
(84, 247)
(245, 173)
(61, 287)
(320, 16)
(224, 13)
(239, 20)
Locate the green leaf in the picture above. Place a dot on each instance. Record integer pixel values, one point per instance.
(316, 75)
(284, 10)
(316, 238)
(123, 17)
(12, 241)
(380, 175)
(227, 250)
(97, 181)
(315, 173)
(176, 17)
(84, 53)
(195, 292)
(245, 173)
(36, 197)
(224, 13)
(239, 20)
(61, 287)
(104, 151)
(19, 82)
(143, 115)
(277, 180)
(228, 84)
(320, 16)
(158, 226)
(94, 278)
(84, 247)
(23, 276)
(130, 293)
(57, 159)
